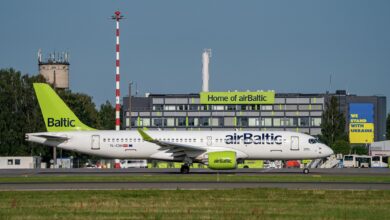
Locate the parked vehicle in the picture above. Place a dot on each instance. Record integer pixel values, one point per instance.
(354, 161)
(273, 164)
(293, 164)
(251, 164)
(380, 161)
(134, 164)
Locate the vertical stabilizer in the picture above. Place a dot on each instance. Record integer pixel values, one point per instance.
(57, 115)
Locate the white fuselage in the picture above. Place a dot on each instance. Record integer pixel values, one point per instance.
(272, 145)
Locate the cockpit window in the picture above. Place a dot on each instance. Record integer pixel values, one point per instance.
(313, 141)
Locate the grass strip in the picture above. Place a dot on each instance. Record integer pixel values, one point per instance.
(196, 204)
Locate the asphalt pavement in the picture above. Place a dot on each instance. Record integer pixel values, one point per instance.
(171, 171)
(190, 185)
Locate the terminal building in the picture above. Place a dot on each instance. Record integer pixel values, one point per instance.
(365, 115)
(257, 110)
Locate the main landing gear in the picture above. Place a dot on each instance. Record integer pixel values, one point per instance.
(185, 169)
(306, 171)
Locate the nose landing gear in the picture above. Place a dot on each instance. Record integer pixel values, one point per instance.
(185, 168)
(306, 171)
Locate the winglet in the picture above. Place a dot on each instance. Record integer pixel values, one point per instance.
(145, 136)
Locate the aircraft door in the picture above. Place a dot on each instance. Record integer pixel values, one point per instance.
(209, 140)
(95, 142)
(294, 143)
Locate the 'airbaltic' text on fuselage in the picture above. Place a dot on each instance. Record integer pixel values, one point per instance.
(248, 138)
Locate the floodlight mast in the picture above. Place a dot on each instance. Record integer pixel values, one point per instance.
(117, 16)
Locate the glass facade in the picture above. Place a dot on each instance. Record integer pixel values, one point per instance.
(184, 112)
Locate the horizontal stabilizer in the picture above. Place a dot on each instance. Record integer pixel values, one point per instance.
(52, 137)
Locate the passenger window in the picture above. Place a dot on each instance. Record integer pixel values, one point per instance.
(104, 140)
(108, 140)
(10, 162)
(17, 161)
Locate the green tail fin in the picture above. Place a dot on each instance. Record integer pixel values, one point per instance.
(57, 115)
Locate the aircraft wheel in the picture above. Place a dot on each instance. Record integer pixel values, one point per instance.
(306, 171)
(184, 169)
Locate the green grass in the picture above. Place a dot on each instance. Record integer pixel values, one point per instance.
(196, 204)
(201, 178)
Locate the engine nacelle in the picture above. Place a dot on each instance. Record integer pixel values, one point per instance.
(222, 160)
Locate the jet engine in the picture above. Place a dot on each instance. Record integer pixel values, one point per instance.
(222, 160)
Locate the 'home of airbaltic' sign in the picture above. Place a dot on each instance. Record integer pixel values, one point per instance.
(237, 97)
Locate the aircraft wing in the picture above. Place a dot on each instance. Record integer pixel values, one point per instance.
(172, 147)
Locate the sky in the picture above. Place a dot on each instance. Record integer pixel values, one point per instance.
(281, 45)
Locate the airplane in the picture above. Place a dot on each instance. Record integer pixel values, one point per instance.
(219, 150)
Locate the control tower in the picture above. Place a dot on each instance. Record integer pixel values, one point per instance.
(55, 69)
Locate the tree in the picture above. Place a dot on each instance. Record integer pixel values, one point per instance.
(359, 149)
(341, 147)
(19, 114)
(333, 123)
(106, 116)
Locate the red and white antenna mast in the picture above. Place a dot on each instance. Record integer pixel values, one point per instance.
(117, 16)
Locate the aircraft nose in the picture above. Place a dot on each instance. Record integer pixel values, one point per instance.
(327, 150)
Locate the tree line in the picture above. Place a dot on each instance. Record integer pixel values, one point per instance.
(20, 114)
